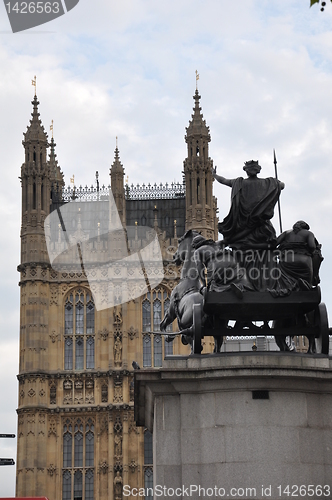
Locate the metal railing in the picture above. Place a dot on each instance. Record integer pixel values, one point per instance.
(149, 191)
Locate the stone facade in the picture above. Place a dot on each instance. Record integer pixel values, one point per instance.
(240, 426)
(76, 430)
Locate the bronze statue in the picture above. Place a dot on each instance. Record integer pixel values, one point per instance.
(186, 293)
(253, 200)
(300, 255)
(280, 274)
(223, 272)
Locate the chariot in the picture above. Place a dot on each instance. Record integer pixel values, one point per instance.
(258, 313)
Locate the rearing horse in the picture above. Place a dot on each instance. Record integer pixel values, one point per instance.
(186, 293)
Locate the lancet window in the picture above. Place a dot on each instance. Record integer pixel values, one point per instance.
(154, 306)
(79, 331)
(148, 465)
(78, 460)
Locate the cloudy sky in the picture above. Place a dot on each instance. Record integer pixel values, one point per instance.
(127, 69)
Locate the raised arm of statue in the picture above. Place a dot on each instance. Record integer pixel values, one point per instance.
(221, 179)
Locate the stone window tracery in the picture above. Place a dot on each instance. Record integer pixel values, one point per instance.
(78, 459)
(79, 331)
(154, 306)
(148, 464)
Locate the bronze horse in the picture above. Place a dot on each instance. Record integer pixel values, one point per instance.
(186, 293)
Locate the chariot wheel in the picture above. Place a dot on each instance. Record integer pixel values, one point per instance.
(197, 328)
(321, 320)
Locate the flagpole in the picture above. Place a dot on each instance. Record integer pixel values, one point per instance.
(276, 174)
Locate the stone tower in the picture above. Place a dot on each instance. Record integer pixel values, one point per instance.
(36, 190)
(200, 203)
(38, 178)
(77, 438)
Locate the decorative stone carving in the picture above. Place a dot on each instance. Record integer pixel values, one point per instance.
(52, 427)
(78, 392)
(104, 392)
(118, 394)
(199, 215)
(53, 274)
(117, 315)
(103, 334)
(103, 468)
(118, 445)
(31, 393)
(68, 392)
(132, 333)
(117, 425)
(89, 384)
(118, 486)
(132, 424)
(54, 336)
(31, 423)
(117, 350)
(33, 272)
(118, 466)
(53, 394)
(89, 391)
(52, 470)
(103, 425)
(133, 466)
(33, 289)
(67, 384)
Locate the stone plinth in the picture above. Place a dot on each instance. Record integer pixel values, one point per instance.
(240, 421)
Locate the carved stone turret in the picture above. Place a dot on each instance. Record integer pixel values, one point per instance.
(56, 176)
(36, 190)
(200, 203)
(117, 185)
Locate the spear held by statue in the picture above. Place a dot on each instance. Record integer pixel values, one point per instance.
(276, 174)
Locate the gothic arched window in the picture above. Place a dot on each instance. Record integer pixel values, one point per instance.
(78, 459)
(148, 465)
(154, 306)
(79, 331)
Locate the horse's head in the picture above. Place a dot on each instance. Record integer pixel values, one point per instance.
(185, 248)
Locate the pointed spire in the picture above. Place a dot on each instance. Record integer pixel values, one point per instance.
(197, 126)
(53, 162)
(52, 152)
(35, 131)
(54, 169)
(117, 165)
(155, 223)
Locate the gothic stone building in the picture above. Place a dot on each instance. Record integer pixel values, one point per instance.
(77, 438)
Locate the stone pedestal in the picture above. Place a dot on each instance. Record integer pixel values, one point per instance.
(240, 426)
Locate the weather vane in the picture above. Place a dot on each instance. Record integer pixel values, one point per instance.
(34, 83)
(197, 77)
(51, 128)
